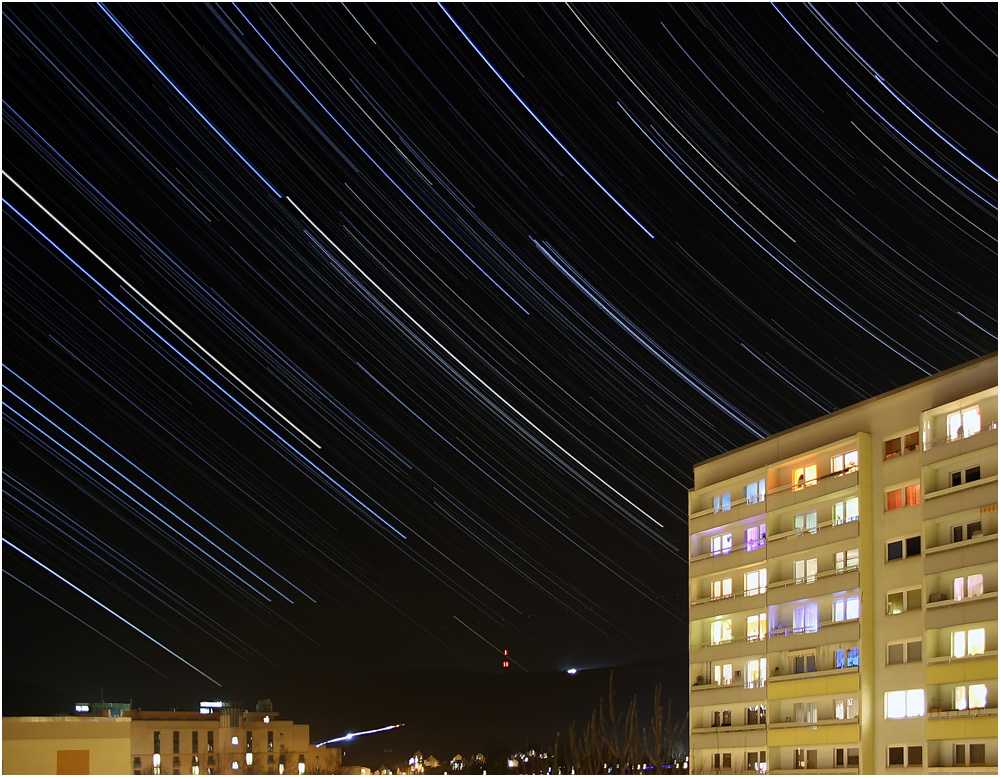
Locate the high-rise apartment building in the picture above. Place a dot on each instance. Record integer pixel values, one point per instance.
(843, 589)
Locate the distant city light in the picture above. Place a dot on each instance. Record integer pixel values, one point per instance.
(571, 671)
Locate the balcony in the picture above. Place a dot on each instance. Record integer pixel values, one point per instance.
(811, 684)
(828, 582)
(972, 609)
(954, 499)
(828, 632)
(739, 510)
(824, 486)
(733, 695)
(957, 555)
(936, 713)
(944, 448)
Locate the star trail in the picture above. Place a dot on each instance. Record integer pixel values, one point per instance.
(387, 334)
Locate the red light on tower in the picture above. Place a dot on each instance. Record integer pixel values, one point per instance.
(506, 663)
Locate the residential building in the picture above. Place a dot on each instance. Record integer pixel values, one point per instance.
(843, 589)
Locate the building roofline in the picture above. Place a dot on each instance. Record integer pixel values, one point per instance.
(856, 405)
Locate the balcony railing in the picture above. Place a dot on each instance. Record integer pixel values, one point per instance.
(936, 713)
(928, 444)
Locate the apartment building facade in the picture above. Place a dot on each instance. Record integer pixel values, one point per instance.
(843, 590)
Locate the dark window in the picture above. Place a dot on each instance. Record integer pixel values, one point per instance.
(211, 741)
(852, 756)
(895, 654)
(977, 755)
(971, 474)
(270, 741)
(895, 550)
(956, 478)
(913, 651)
(156, 741)
(957, 533)
(914, 755)
(895, 756)
(177, 741)
(912, 546)
(959, 755)
(194, 741)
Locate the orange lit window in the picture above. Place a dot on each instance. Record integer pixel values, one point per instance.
(804, 476)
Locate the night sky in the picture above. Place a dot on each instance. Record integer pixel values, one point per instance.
(350, 339)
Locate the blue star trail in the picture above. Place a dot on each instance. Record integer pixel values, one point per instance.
(382, 335)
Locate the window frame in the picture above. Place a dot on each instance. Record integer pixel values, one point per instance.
(806, 577)
(846, 601)
(761, 583)
(725, 544)
(844, 562)
(905, 546)
(902, 495)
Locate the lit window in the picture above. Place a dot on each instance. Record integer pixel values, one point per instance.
(803, 476)
(904, 704)
(845, 511)
(806, 522)
(845, 560)
(722, 502)
(977, 696)
(722, 631)
(805, 618)
(754, 492)
(847, 658)
(845, 709)
(844, 462)
(805, 570)
(968, 643)
(722, 674)
(900, 601)
(722, 544)
(904, 496)
(755, 537)
(756, 627)
(720, 589)
(755, 583)
(756, 673)
(967, 587)
(846, 608)
(964, 423)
